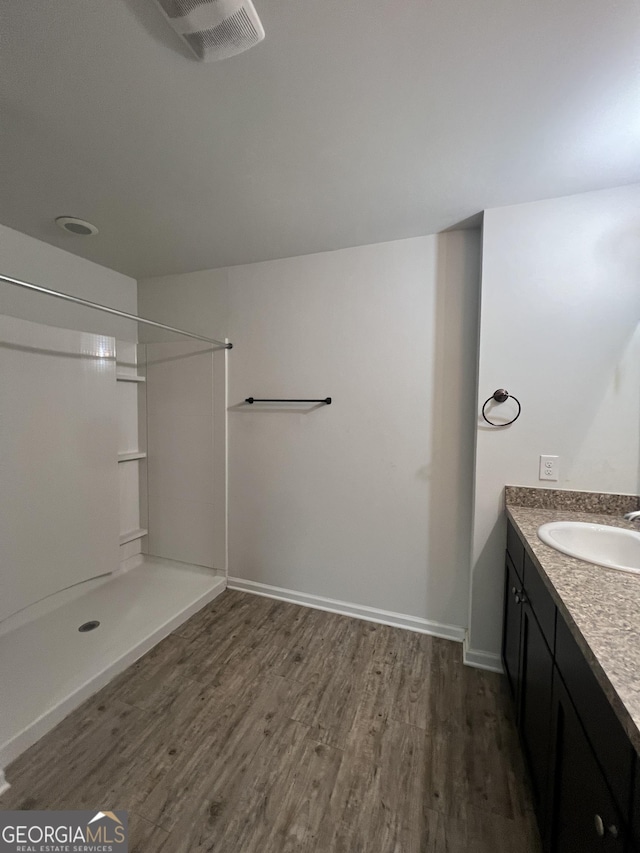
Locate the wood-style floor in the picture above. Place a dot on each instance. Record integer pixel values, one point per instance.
(263, 727)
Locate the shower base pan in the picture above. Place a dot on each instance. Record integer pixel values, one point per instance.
(48, 667)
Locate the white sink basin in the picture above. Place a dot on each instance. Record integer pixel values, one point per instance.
(607, 546)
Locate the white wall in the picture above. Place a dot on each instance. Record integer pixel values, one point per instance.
(186, 453)
(197, 302)
(560, 329)
(58, 428)
(28, 259)
(368, 500)
(25, 258)
(31, 260)
(185, 450)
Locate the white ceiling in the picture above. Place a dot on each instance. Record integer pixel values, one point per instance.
(355, 121)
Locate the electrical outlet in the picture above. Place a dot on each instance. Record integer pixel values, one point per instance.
(549, 468)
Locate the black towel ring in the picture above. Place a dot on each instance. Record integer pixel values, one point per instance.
(501, 396)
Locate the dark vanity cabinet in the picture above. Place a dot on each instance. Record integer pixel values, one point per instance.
(585, 776)
(527, 654)
(585, 816)
(512, 628)
(635, 809)
(534, 708)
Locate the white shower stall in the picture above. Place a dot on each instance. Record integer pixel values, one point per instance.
(113, 500)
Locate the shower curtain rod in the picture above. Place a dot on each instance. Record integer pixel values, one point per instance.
(58, 295)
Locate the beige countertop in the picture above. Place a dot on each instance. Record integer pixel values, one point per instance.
(601, 607)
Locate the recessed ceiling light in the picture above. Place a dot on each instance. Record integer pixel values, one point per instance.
(79, 227)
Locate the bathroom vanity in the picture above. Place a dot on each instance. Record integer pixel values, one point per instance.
(571, 654)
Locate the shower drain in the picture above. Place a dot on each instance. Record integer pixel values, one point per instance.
(88, 626)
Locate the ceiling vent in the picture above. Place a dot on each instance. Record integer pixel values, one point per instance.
(214, 29)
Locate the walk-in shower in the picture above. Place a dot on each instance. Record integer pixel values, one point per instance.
(113, 499)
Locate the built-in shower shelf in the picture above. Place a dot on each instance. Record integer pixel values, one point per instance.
(132, 535)
(130, 377)
(129, 457)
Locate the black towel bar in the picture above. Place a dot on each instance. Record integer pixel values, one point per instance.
(251, 400)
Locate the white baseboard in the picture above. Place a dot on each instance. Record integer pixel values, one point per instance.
(4, 785)
(357, 611)
(480, 659)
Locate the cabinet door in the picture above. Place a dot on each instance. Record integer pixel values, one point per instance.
(511, 629)
(635, 811)
(584, 816)
(534, 719)
(604, 730)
